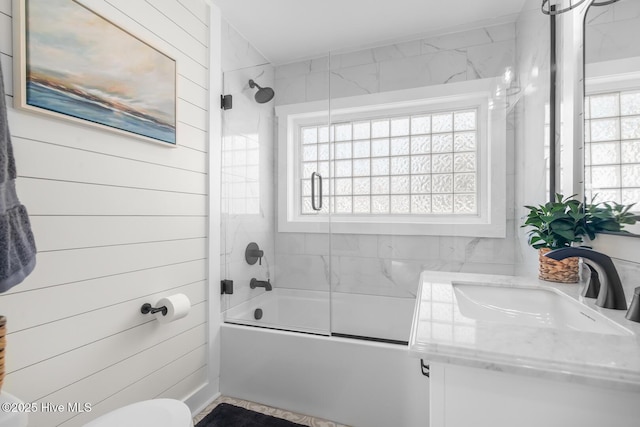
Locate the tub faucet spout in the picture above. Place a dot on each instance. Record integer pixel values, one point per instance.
(611, 294)
(255, 283)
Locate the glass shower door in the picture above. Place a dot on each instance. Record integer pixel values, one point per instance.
(272, 171)
(247, 235)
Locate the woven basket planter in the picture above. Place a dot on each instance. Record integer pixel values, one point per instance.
(3, 341)
(564, 271)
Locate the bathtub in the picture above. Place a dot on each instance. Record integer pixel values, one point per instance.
(285, 309)
(372, 317)
(360, 375)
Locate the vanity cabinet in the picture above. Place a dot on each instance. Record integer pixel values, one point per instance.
(462, 396)
(509, 351)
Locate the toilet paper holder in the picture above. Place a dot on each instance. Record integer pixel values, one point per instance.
(169, 308)
(147, 308)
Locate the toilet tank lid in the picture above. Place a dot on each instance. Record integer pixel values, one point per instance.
(155, 412)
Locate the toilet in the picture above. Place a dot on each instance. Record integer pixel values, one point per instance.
(156, 412)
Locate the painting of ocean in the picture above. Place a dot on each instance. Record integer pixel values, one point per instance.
(82, 66)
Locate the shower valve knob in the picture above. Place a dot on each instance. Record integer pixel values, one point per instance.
(253, 254)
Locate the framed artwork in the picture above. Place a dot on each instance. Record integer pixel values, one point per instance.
(75, 64)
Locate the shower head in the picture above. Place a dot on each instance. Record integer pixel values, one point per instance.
(264, 94)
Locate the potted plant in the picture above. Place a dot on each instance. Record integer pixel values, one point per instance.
(565, 222)
(556, 225)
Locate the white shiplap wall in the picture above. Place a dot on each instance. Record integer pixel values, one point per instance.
(118, 222)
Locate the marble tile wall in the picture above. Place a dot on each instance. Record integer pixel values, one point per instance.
(246, 168)
(468, 55)
(612, 31)
(388, 264)
(237, 52)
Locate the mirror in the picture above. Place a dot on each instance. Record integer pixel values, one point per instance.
(612, 102)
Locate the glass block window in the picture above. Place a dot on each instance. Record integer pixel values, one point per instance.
(419, 164)
(612, 147)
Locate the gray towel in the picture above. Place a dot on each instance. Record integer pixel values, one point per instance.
(17, 246)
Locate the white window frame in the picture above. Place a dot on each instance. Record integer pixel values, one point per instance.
(491, 160)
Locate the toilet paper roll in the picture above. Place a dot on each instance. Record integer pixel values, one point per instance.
(178, 306)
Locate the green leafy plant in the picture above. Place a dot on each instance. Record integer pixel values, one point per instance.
(564, 221)
(556, 224)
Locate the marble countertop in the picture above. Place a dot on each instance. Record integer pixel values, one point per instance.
(440, 333)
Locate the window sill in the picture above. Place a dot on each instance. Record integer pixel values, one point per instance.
(466, 227)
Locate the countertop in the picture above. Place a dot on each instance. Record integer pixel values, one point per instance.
(440, 333)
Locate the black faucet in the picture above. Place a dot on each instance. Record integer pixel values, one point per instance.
(255, 283)
(611, 294)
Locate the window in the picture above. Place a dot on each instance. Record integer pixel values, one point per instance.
(417, 164)
(421, 161)
(612, 146)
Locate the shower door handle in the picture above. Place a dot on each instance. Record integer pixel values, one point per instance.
(313, 191)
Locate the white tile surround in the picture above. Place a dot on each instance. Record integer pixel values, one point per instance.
(612, 32)
(468, 55)
(391, 265)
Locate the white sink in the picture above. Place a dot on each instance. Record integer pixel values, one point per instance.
(539, 307)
